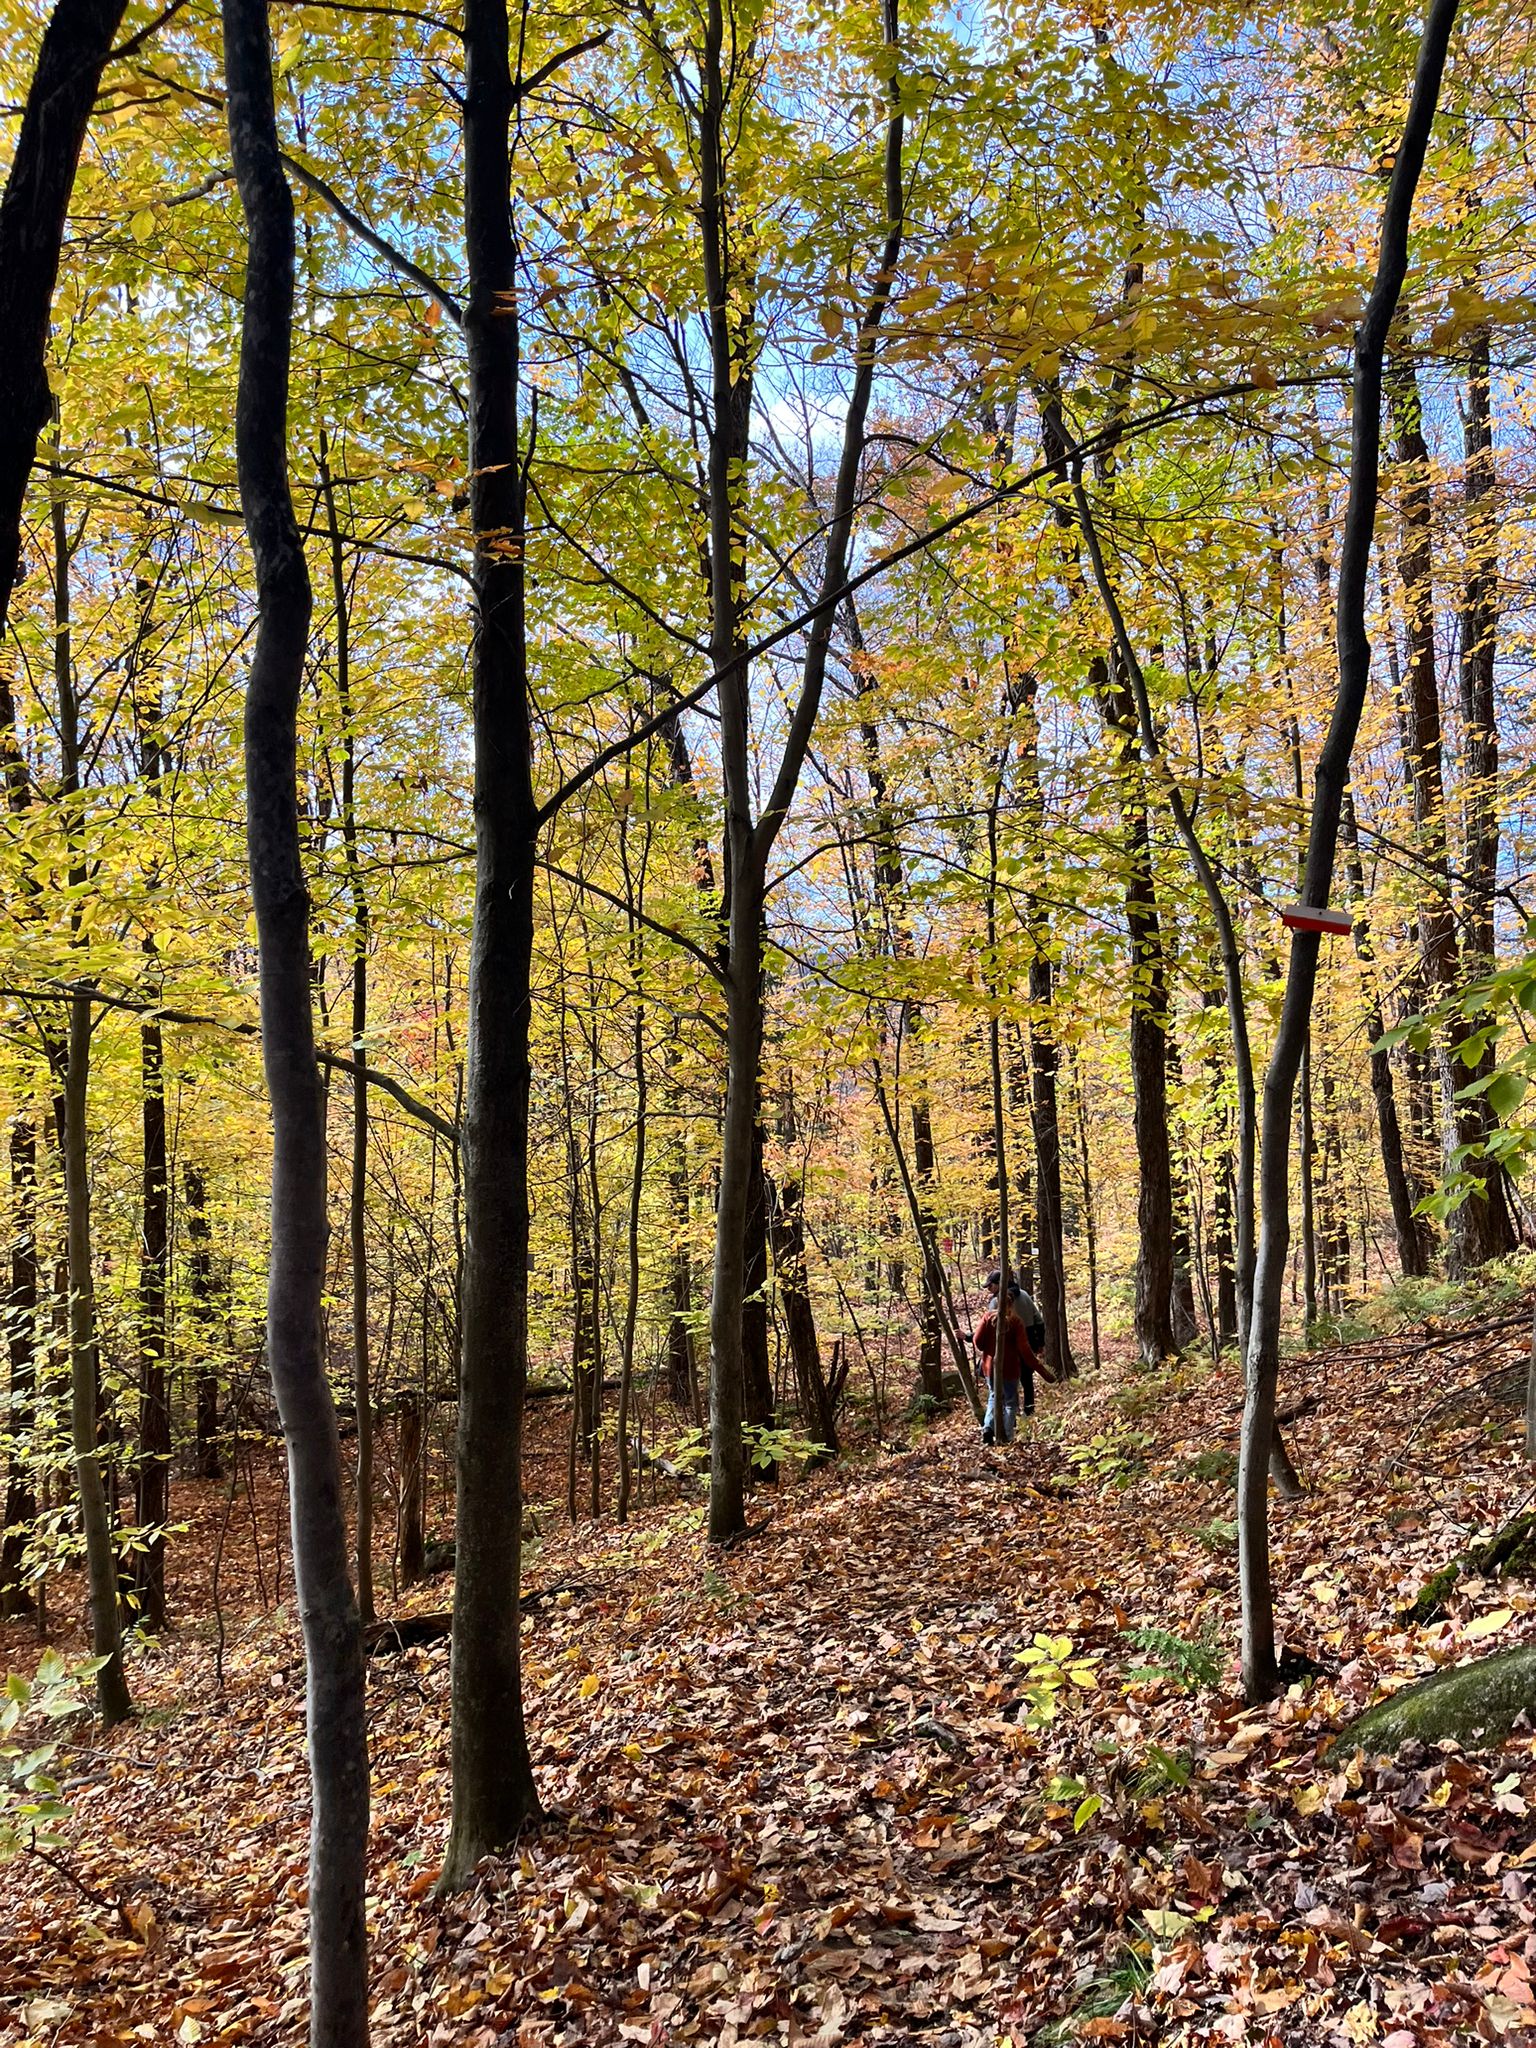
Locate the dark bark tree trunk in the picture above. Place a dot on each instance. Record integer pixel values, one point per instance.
(33, 211)
(200, 1288)
(21, 1356)
(1408, 1229)
(493, 1789)
(787, 1210)
(1306, 1148)
(1479, 1229)
(333, 1641)
(1149, 1078)
(930, 1354)
(1354, 652)
(1046, 1118)
(413, 1491)
(1480, 757)
(749, 841)
(1181, 1306)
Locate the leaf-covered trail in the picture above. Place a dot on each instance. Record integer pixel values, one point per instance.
(796, 1794)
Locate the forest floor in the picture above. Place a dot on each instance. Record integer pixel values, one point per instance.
(806, 1791)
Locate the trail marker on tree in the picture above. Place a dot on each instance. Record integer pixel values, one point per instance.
(1311, 917)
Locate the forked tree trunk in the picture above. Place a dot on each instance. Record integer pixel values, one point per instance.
(1354, 653)
(493, 1788)
(749, 841)
(333, 1640)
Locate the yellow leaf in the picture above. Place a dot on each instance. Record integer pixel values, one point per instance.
(1488, 1624)
(142, 225)
(589, 1685)
(1307, 1798)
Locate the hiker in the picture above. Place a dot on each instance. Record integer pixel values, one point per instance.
(1027, 1309)
(1005, 1365)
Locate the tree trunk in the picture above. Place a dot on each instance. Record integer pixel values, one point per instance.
(1046, 1118)
(152, 1505)
(1149, 1078)
(84, 1373)
(200, 1289)
(333, 1643)
(1408, 1229)
(757, 1365)
(787, 1211)
(21, 1354)
(1354, 653)
(1479, 1228)
(412, 1523)
(748, 842)
(33, 211)
(1306, 1146)
(357, 1198)
(1480, 759)
(493, 1789)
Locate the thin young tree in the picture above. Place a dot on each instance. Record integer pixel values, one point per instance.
(333, 1641)
(1260, 1667)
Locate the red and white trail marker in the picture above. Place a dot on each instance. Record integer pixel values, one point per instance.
(1310, 917)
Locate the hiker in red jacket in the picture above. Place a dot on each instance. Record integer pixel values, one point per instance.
(1004, 1379)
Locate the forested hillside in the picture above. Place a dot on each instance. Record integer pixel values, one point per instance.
(673, 679)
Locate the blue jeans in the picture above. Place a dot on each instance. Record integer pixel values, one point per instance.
(1010, 1416)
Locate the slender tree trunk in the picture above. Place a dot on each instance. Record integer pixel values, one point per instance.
(357, 1199)
(153, 1505)
(757, 1366)
(1480, 760)
(333, 1643)
(787, 1211)
(100, 1562)
(1090, 1222)
(1149, 1077)
(1408, 1229)
(1354, 653)
(493, 1790)
(745, 865)
(1479, 1228)
(632, 1246)
(21, 1354)
(750, 843)
(1046, 1118)
(33, 211)
(412, 1530)
(1306, 1147)
(200, 1289)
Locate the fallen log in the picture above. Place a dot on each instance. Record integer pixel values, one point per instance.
(412, 1631)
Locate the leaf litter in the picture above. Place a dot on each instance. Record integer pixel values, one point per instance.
(892, 1772)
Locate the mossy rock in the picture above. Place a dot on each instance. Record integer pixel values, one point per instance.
(1476, 1704)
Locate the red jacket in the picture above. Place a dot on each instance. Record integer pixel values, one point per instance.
(1018, 1352)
